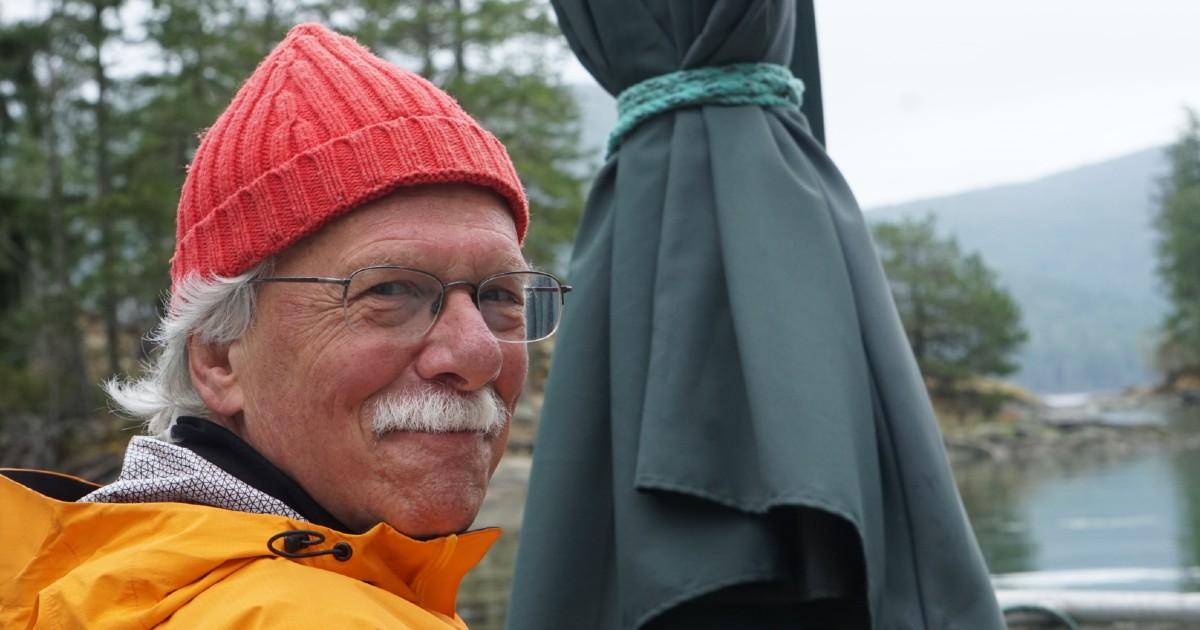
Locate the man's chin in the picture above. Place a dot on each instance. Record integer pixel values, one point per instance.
(443, 520)
(435, 482)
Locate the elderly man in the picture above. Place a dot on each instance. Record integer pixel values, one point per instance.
(344, 347)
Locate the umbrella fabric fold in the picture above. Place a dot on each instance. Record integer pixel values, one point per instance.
(734, 430)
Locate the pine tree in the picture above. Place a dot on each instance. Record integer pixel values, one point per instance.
(1178, 223)
(44, 384)
(960, 322)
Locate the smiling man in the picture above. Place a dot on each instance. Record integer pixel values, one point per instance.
(344, 347)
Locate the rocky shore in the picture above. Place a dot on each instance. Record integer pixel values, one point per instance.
(1092, 426)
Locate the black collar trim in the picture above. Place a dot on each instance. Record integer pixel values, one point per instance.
(230, 453)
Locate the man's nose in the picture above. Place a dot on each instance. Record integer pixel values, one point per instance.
(460, 350)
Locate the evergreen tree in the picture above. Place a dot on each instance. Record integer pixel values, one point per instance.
(960, 322)
(1178, 223)
(45, 388)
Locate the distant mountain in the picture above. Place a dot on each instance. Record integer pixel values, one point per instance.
(1075, 248)
(1077, 251)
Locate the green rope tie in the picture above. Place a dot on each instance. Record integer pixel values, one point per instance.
(765, 84)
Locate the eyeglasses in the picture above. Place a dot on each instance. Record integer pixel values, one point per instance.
(517, 306)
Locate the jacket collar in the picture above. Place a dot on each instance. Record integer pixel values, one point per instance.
(230, 453)
(201, 539)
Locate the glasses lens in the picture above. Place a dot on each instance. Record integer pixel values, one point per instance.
(401, 301)
(521, 306)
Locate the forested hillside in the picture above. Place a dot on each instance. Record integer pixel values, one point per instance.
(1077, 250)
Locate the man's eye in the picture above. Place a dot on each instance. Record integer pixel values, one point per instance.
(395, 289)
(500, 296)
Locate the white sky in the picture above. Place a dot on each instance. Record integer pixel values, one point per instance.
(929, 97)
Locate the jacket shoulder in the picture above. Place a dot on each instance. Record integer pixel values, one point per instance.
(280, 593)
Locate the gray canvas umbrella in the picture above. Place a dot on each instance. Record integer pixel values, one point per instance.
(735, 433)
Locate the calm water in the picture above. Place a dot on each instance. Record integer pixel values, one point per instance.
(1130, 523)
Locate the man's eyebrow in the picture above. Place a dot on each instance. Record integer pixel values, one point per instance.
(385, 259)
(420, 262)
(511, 264)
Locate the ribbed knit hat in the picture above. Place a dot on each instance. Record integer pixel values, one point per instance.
(321, 127)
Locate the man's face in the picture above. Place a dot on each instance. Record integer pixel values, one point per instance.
(309, 383)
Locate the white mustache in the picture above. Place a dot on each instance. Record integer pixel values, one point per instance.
(436, 410)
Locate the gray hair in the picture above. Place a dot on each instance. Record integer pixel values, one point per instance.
(216, 310)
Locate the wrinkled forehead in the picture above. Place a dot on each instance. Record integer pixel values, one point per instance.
(441, 227)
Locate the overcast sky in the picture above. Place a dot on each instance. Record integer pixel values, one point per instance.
(927, 97)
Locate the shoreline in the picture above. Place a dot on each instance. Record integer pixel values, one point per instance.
(1094, 426)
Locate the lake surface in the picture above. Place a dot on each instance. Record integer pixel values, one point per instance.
(1128, 523)
(1131, 523)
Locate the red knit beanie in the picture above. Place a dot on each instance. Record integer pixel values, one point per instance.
(321, 127)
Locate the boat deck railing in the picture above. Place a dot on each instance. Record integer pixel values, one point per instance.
(1086, 609)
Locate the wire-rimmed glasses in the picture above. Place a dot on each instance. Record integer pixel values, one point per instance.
(517, 306)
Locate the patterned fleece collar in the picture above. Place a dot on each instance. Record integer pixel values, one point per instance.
(157, 471)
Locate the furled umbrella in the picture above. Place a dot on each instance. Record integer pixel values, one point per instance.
(735, 433)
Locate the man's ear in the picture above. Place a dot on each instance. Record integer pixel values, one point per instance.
(214, 378)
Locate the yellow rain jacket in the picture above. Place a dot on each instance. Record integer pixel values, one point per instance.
(142, 565)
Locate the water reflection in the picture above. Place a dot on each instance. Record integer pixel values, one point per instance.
(1127, 522)
(994, 499)
(1185, 463)
(1124, 522)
